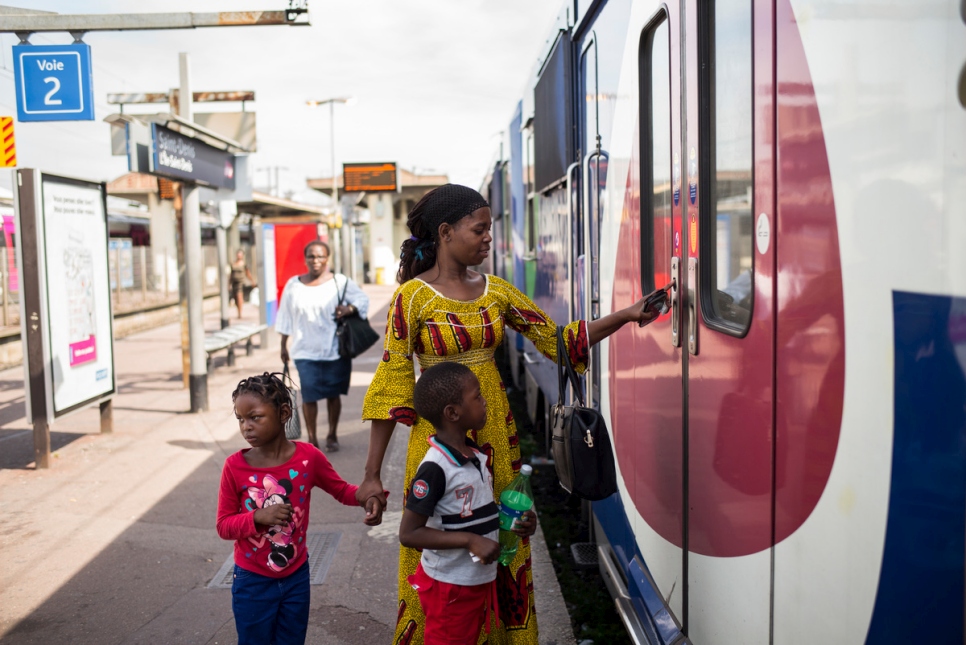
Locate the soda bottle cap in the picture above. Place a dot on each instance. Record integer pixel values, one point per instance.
(526, 470)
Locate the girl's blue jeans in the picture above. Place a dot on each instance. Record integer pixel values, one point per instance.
(271, 611)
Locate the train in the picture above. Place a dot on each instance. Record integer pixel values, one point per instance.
(790, 437)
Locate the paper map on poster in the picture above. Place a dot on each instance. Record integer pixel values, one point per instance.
(82, 322)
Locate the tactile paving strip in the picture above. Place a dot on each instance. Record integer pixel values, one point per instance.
(321, 546)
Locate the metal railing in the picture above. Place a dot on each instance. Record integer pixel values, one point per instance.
(142, 277)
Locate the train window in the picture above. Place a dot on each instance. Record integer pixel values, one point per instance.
(589, 77)
(655, 164)
(553, 116)
(726, 208)
(530, 233)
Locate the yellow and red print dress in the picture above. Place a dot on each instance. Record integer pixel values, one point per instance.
(433, 328)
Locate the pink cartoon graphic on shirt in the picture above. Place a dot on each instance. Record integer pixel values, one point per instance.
(279, 536)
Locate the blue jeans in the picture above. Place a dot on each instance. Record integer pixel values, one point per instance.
(271, 611)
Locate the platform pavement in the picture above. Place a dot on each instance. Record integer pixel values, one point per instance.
(115, 542)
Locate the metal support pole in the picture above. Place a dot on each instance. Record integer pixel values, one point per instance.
(107, 416)
(27, 189)
(194, 271)
(352, 253)
(221, 239)
(194, 267)
(117, 275)
(6, 284)
(144, 275)
(339, 263)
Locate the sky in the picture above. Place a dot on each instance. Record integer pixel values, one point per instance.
(434, 83)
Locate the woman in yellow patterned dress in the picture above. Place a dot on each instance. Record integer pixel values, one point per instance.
(444, 311)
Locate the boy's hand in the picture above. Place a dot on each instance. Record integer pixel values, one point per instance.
(526, 525)
(483, 548)
(272, 515)
(374, 508)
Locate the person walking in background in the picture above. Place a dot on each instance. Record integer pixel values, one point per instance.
(444, 311)
(308, 312)
(239, 273)
(263, 505)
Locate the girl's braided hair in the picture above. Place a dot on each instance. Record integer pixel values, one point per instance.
(269, 387)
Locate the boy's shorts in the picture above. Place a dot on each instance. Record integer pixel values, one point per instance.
(454, 613)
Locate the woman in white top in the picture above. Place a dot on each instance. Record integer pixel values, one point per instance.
(308, 312)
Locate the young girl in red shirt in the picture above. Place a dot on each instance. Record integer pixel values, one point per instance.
(263, 505)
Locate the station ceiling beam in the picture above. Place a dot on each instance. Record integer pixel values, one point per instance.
(23, 21)
(165, 97)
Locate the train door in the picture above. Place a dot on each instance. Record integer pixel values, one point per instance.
(646, 365)
(727, 310)
(692, 395)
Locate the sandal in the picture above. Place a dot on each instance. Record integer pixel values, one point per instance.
(331, 446)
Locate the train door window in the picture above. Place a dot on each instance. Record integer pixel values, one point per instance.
(655, 156)
(595, 167)
(530, 232)
(588, 75)
(726, 207)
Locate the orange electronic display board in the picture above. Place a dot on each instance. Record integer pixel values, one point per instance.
(369, 177)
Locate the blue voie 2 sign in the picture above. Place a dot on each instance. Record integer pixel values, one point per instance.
(53, 82)
(179, 157)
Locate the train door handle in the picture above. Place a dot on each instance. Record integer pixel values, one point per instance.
(693, 306)
(675, 302)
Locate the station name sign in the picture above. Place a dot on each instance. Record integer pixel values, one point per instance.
(177, 156)
(369, 177)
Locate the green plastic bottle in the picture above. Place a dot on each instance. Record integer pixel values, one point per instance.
(514, 500)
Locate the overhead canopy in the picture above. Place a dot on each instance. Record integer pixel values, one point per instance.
(269, 207)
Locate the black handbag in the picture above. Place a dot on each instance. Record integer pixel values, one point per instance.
(355, 334)
(582, 452)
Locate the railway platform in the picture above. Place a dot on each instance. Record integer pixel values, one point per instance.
(116, 543)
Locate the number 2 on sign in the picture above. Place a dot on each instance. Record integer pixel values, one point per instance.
(48, 99)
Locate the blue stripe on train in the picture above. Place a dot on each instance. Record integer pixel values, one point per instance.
(654, 616)
(920, 594)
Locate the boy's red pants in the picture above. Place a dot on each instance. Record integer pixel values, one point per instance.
(454, 613)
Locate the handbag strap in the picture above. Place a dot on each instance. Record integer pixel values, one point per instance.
(345, 287)
(565, 369)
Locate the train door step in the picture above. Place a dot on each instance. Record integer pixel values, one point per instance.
(584, 555)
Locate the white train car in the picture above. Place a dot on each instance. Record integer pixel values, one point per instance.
(791, 437)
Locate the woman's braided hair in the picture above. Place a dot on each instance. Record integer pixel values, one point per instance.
(269, 387)
(449, 204)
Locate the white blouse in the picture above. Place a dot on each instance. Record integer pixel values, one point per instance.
(307, 315)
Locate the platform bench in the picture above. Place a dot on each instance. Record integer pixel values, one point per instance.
(227, 338)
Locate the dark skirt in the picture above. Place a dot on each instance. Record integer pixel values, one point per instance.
(323, 379)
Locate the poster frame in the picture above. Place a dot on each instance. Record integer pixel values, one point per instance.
(39, 179)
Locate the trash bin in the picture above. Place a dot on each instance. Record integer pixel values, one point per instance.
(379, 275)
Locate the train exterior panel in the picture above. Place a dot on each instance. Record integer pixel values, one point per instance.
(791, 437)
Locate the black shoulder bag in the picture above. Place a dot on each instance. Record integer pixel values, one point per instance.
(355, 334)
(581, 447)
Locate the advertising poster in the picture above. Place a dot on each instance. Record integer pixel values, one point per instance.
(78, 291)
